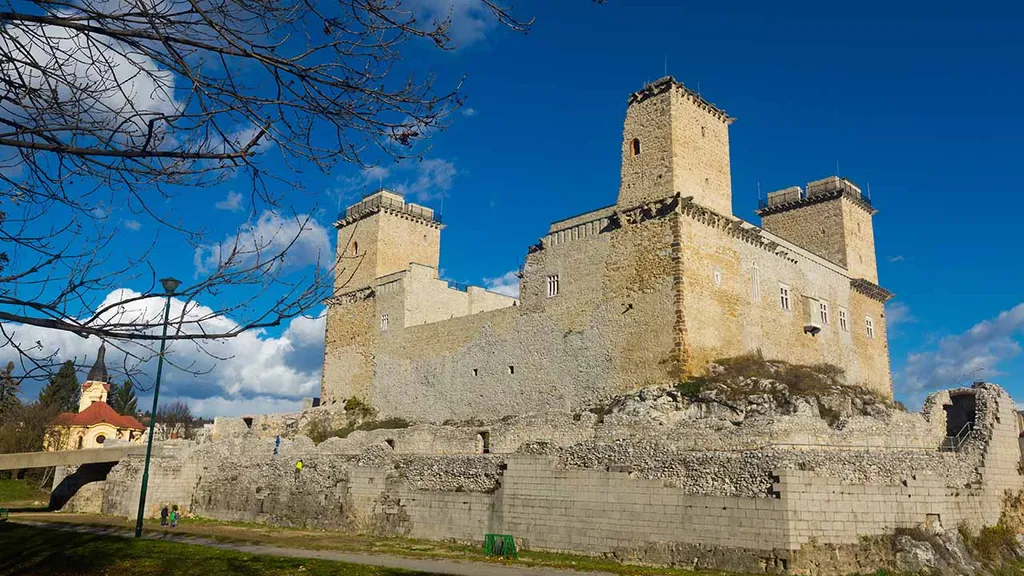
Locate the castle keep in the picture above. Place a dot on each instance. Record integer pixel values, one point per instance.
(639, 293)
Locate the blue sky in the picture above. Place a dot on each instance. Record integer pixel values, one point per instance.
(921, 101)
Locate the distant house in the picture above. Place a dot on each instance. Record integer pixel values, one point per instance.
(95, 423)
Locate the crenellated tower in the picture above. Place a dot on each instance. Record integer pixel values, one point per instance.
(673, 141)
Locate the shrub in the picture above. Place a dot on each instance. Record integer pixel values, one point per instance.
(387, 424)
(991, 543)
(357, 407)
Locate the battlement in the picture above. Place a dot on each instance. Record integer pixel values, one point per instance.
(387, 201)
(663, 85)
(830, 188)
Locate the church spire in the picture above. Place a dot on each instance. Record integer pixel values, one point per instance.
(98, 372)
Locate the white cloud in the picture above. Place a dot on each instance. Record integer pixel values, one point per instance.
(112, 91)
(432, 180)
(302, 239)
(418, 181)
(233, 202)
(469, 112)
(898, 314)
(252, 372)
(133, 225)
(470, 19)
(896, 258)
(978, 352)
(507, 284)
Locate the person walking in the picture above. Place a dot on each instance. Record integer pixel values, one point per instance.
(174, 516)
(298, 469)
(163, 517)
(277, 445)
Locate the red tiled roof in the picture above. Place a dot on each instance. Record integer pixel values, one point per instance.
(97, 413)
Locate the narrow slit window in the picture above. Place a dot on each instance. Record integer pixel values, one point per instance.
(476, 371)
(511, 369)
(635, 146)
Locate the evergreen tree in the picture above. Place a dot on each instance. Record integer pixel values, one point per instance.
(122, 398)
(9, 386)
(61, 392)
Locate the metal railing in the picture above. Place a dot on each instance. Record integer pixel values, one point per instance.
(955, 442)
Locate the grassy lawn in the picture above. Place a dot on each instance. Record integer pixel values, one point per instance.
(343, 542)
(21, 494)
(28, 550)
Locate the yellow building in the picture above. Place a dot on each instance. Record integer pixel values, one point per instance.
(96, 422)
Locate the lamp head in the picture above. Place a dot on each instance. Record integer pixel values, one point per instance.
(170, 284)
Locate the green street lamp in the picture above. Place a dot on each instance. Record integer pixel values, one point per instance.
(170, 285)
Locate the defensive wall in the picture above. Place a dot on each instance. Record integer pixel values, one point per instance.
(619, 491)
(636, 294)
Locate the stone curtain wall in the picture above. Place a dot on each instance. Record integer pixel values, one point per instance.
(628, 498)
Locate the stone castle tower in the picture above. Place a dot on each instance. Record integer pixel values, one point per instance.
(675, 141)
(643, 292)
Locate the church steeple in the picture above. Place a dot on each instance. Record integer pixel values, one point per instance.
(98, 372)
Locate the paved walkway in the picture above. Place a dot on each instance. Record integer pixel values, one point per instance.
(454, 567)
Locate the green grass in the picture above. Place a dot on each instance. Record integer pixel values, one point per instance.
(18, 493)
(30, 550)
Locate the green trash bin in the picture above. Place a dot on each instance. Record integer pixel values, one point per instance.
(503, 545)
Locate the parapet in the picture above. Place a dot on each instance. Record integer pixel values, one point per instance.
(386, 201)
(829, 188)
(663, 85)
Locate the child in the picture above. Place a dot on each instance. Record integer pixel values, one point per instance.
(174, 516)
(163, 517)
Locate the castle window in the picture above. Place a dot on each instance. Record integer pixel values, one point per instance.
(784, 296)
(383, 322)
(869, 325)
(476, 371)
(703, 132)
(635, 146)
(390, 443)
(355, 248)
(843, 323)
(552, 285)
(511, 369)
(717, 277)
(483, 442)
(755, 283)
(823, 312)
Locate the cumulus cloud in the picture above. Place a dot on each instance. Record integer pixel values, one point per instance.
(301, 238)
(507, 284)
(106, 86)
(256, 371)
(470, 19)
(232, 203)
(896, 258)
(978, 352)
(432, 179)
(469, 112)
(133, 225)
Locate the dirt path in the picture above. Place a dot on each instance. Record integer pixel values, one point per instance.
(453, 567)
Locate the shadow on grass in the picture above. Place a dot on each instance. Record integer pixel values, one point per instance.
(29, 551)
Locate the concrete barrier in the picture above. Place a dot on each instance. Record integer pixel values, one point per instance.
(21, 460)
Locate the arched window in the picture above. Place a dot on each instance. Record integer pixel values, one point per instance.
(635, 146)
(78, 446)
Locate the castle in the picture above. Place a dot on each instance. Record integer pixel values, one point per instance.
(639, 293)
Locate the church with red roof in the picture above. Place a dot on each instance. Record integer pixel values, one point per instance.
(96, 423)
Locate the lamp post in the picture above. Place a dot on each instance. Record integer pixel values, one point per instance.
(170, 285)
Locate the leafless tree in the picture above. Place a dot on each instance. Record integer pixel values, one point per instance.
(132, 103)
(175, 419)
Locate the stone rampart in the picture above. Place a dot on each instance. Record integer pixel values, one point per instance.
(640, 498)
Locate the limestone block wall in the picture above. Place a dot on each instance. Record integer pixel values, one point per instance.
(732, 304)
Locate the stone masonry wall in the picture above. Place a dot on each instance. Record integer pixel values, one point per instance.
(599, 498)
